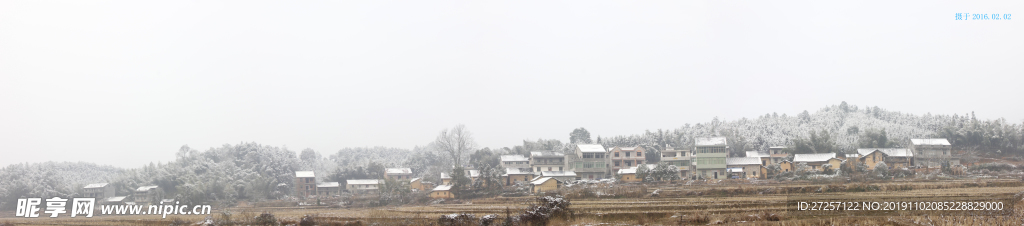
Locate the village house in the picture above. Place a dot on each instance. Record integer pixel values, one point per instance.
(931, 153)
(417, 184)
(625, 157)
(442, 192)
(776, 154)
(786, 166)
(145, 194)
(362, 186)
(709, 155)
(99, 191)
(398, 174)
(473, 175)
(893, 157)
(628, 175)
(590, 162)
(764, 157)
(328, 189)
(446, 179)
(678, 158)
(514, 161)
(744, 167)
(815, 161)
(547, 161)
(305, 184)
(513, 175)
(543, 184)
(562, 176)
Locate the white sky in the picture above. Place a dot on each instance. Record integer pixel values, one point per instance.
(128, 82)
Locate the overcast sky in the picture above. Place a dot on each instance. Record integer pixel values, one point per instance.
(129, 82)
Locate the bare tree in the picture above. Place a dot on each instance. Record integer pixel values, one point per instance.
(455, 142)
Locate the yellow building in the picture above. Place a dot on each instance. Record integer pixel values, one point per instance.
(445, 179)
(785, 166)
(544, 184)
(418, 185)
(515, 175)
(629, 175)
(442, 192)
(744, 167)
(893, 157)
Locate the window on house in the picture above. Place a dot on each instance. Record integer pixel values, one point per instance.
(627, 154)
(559, 168)
(638, 154)
(616, 154)
(638, 162)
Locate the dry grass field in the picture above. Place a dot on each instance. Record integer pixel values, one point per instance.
(674, 204)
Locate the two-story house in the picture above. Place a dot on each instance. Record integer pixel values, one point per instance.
(99, 191)
(680, 158)
(398, 174)
(931, 153)
(514, 161)
(547, 161)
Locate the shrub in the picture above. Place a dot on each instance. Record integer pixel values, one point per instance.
(463, 219)
(308, 220)
(265, 219)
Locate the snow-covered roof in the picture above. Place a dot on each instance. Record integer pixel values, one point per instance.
(631, 170)
(97, 185)
(443, 187)
(517, 171)
(711, 141)
(328, 185)
(540, 181)
(370, 181)
(894, 152)
(473, 173)
(116, 199)
(558, 173)
(514, 158)
(937, 141)
(777, 147)
(757, 154)
(735, 170)
(822, 157)
(445, 176)
(415, 179)
(628, 148)
(743, 161)
(146, 188)
(546, 154)
(304, 174)
(392, 171)
(167, 200)
(590, 148)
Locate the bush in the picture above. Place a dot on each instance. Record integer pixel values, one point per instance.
(265, 219)
(488, 220)
(463, 219)
(308, 220)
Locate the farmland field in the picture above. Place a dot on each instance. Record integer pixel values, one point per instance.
(650, 204)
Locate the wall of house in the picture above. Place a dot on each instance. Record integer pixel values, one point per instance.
(441, 194)
(629, 178)
(549, 185)
(512, 179)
